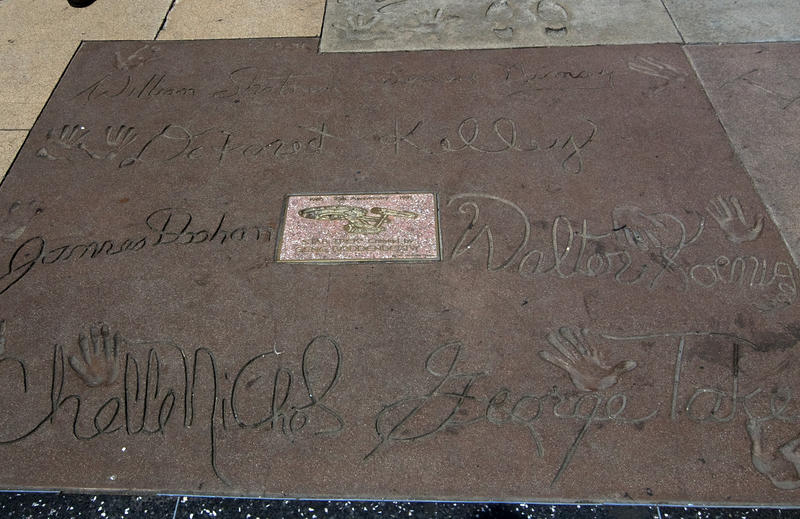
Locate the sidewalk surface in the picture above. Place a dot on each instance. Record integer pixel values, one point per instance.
(745, 55)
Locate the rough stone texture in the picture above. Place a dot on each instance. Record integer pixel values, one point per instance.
(40, 37)
(755, 90)
(382, 25)
(740, 21)
(602, 326)
(206, 19)
(10, 141)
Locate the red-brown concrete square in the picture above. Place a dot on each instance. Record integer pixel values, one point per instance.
(613, 318)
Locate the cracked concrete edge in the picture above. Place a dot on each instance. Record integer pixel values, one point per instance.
(674, 22)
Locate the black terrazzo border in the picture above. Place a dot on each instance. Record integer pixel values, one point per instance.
(56, 506)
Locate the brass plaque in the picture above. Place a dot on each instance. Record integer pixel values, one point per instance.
(360, 227)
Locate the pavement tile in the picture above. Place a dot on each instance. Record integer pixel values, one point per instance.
(10, 141)
(738, 21)
(385, 25)
(208, 19)
(598, 308)
(755, 90)
(40, 37)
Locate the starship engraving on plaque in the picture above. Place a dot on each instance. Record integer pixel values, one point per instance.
(360, 227)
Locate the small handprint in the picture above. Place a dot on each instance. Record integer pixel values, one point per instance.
(118, 138)
(98, 363)
(644, 231)
(582, 362)
(359, 27)
(654, 67)
(432, 21)
(137, 59)
(659, 69)
(69, 137)
(730, 217)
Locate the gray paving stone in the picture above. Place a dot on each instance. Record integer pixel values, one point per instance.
(10, 141)
(385, 25)
(738, 21)
(209, 19)
(756, 92)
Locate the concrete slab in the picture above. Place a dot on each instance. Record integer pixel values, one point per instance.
(740, 21)
(40, 37)
(756, 92)
(599, 308)
(384, 25)
(206, 19)
(32, 72)
(10, 141)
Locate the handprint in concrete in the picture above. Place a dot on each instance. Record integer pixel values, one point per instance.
(98, 362)
(582, 362)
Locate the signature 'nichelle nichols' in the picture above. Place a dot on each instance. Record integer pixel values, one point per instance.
(96, 385)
